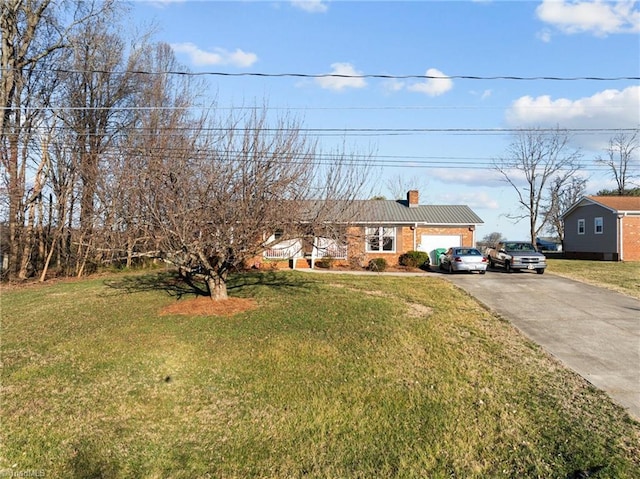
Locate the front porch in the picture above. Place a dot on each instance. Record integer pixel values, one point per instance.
(305, 253)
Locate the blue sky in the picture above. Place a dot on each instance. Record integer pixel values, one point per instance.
(447, 39)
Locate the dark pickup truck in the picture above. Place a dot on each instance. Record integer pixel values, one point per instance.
(516, 255)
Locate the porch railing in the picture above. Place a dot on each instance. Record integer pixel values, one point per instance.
(285, 250)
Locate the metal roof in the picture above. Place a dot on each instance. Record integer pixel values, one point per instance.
(399, 212)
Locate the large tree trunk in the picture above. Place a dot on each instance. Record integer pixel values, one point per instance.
(217, 287)
(16, 191)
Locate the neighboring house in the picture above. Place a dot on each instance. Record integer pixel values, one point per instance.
(387, 229)
(603, 228)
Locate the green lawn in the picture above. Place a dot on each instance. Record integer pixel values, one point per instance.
(623, 277)
(332, 376)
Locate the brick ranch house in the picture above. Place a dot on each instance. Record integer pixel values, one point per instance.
(603, 228)
(383, 229)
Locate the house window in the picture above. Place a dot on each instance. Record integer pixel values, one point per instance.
(598, 226)
(581, 227)
(381, 240)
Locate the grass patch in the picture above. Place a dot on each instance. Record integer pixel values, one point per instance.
(330, 376)
(623, 277)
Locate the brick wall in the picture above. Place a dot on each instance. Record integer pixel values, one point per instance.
(631, 231)
(404, 242)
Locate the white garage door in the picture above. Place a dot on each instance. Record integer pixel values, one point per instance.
(430, 243)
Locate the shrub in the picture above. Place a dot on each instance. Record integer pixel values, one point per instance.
(414, 259)
(326, 262)
(377, 264)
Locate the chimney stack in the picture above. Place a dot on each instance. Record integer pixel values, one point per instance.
(412, 198)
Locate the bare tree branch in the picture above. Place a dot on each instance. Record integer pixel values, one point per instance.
(622, 160)
(535, 159)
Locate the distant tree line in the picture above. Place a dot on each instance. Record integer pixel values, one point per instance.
(103, 164)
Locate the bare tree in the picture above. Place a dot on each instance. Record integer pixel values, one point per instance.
(229, 186)
(33, 33)
(561, 196)
(399, 185)
(534, 160)
(21, 24)
(98, 87)
(160, 132)
(490, 240)
(622, 160)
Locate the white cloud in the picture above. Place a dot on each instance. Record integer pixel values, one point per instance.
(608, 109)
(483, 94)
(219, 56)
(598, 17)
(350, 80)
(433, 86)
(466, 176)
(163, 3)
(544, 35)
(477, 200)
(605, 109)
(393, 85)
(311, 6)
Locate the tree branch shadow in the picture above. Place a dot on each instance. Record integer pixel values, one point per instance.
(246, 281)
(177, 286)
(168, 281)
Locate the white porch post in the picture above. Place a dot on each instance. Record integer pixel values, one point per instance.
(313, 251)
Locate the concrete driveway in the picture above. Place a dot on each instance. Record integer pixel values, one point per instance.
(594, 331)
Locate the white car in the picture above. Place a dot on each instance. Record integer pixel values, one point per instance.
(462, 258)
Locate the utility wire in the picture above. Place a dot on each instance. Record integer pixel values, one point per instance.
(339, 75)
(341, 131)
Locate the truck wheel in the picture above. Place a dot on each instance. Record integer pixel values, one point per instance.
(507, 267)
(540, 270)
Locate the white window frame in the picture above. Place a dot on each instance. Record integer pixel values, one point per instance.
(582, 228)
(598, 225)
(381, 232)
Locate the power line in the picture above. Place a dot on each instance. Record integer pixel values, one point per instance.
(304, 108)
(490, 131)
(341, 75)
(130, 152)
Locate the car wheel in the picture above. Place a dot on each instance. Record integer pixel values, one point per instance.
(507, 267)
(482, 272)
(540, 270)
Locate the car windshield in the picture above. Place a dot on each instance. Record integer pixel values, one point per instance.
(468, 252)
(519, 247)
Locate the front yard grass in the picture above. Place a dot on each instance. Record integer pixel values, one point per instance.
(330, 376)
(623, 277)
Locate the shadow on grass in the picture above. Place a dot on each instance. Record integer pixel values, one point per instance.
(177, 286)
(88, 462)
(168, 281)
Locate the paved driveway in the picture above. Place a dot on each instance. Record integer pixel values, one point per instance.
(592, 330)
